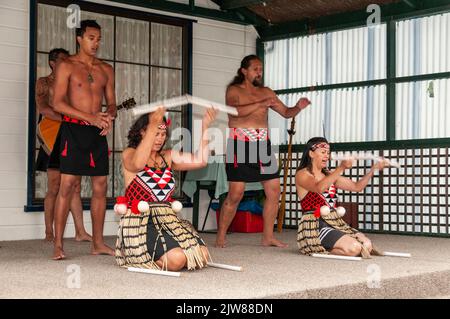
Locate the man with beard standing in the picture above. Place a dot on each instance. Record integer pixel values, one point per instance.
(249, 157)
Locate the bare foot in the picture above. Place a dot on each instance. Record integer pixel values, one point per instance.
(49, 237)
(102, 250)
(221, 243)
(83, 237)
(273, 242)
(58, 253)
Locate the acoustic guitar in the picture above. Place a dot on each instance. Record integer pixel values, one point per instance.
(47, 129)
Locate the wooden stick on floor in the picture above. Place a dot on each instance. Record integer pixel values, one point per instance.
(155, 272)
(223, 266)
(394, 254)
(336, 257)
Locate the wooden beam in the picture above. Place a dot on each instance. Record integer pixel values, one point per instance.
(236, 4)
(245, 14)
(190, 9)
(411, 3)
(396, 11)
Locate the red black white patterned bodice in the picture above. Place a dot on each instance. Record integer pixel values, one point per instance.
(151, 185)
(313, 200)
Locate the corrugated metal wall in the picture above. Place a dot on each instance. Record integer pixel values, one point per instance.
(422, 48)
(423, 45)
(342, 56)
(359, 54)
(342, 114)
(422, 109)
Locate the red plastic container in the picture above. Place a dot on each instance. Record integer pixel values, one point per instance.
(245, 222)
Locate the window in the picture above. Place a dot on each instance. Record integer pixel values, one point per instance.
(150, 55)
(356, 114)
(421, 105)
(333, 62)
(345, 75)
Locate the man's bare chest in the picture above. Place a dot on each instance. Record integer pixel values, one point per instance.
(82, 79)
(252, 97)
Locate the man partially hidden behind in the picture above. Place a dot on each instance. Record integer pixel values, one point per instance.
(49, 127)
(81, 82)
(249, 156)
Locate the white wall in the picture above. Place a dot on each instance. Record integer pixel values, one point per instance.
(218, 49)
(217, 53)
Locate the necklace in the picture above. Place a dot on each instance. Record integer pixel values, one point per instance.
(90, 77)
(156, 164)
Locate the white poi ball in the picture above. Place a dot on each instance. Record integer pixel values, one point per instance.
(177, 206)
(340, 211)
(120, 209)
(143, 206)
(324, 210)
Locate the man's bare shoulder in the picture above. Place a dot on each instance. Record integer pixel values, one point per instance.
(68, 64)
(105, 67)
(104, 64)
(71, 60)
(233, 88)
(267, 90)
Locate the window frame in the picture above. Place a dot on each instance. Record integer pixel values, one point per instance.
(390, 81)
(37, 204)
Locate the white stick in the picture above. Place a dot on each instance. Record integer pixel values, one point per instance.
(155, 272)
(182, 100)
(206, 103)
(167, 103)
(336, 257)
(223, 266)
(392, 254)
(366, 156)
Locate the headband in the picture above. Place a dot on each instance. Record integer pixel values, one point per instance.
(165, 125)
(320, 145)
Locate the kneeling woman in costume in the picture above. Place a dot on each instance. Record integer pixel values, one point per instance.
(150, 233)
(321, 229)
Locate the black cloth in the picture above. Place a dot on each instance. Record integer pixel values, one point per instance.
(250, 161)
(330, 235)
(53, 161)
(42, 160)
(80, 150)
(152, 238)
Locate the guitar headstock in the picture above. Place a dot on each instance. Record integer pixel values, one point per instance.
(127, 104)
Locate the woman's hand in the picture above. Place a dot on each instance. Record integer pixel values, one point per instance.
(345, 164)
(209, 117)
(155, 118)
(379, 165)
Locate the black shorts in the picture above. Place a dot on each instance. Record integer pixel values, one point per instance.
(154, 244)
(250, 161)
(80, 150)
(328, 235)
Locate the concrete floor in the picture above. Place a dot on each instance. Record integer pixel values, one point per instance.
(26, 271)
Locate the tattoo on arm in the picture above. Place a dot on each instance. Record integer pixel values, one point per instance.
(42, 88)
(42, 93)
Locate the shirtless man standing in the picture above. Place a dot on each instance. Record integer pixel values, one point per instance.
(249, 156)
(81, 82)
(44, 96)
